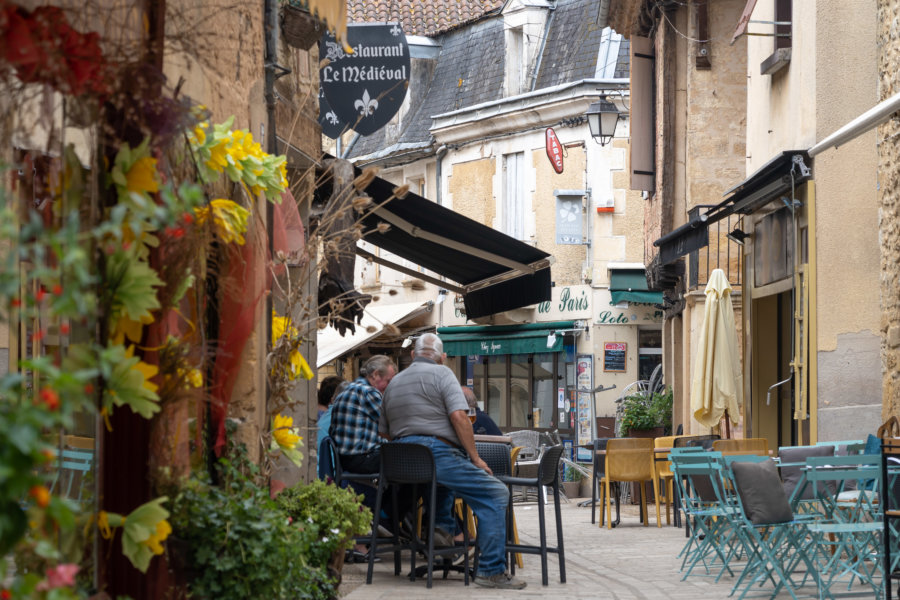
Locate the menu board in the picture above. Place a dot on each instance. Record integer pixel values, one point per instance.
(614, 356)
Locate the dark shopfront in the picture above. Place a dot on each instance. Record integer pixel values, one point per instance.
(522, 375)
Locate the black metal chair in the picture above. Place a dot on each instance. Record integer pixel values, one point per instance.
(599, 467)
(547, 475)
(410, 464)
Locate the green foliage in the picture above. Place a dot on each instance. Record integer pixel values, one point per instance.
(572, 474)
(237, 543)
(329, 515)
(643, 412)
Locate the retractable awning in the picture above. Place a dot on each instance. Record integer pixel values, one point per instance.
(528, 338)
(375, 318)
(785, 171)
(630, 285)
(494, 271)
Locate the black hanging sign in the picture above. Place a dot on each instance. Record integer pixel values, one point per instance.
(331, 124)
(366, 88)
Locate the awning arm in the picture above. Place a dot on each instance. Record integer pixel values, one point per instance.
(406, 270)
(533, 268)
(418, 232)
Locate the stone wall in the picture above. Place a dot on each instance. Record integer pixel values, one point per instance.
(470, 188)
(888, 32)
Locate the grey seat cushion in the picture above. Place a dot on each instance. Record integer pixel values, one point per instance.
(762, 494)
(791, 475)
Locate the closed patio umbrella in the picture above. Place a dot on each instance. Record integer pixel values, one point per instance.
(716, 387)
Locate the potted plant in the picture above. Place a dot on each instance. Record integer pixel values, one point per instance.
(647, 415)
(331, 516)
(572, 482)
(231, 540)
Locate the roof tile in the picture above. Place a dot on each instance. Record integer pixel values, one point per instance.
(421, 18)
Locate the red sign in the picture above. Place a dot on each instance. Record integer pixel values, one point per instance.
(554, 150)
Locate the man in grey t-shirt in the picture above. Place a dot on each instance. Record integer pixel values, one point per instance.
(424, 404)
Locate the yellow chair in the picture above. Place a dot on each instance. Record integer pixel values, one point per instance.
(630, 459)
(664, 472)
(746, 446)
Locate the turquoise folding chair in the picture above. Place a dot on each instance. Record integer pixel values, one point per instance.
(74, 466)
(848, 539)
(775, 551)
(710, 544)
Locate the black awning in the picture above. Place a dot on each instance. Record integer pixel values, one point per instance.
(495, 271)
(768, 183)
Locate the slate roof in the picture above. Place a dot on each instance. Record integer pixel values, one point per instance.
(470, 70)
(421, 17)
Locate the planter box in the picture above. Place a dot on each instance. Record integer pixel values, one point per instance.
(571, 489)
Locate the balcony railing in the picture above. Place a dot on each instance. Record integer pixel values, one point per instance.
(720, 253)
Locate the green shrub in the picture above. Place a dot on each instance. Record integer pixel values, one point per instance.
(329, 515)
(235, 542)
(643, 412)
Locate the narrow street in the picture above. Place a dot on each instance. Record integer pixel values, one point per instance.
(629, 562)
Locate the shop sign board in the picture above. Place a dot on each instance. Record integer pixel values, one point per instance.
(554, 150)
(366, 87)
(633, 315)
(568, 302)
(569, 220)
(584, 417)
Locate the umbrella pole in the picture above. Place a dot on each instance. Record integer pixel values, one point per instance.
(727, 428)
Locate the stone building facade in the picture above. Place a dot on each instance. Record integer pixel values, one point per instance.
(888, 34)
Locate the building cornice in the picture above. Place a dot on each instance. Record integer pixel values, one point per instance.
(533, 109)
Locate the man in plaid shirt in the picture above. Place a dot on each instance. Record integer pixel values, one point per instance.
(355, 416)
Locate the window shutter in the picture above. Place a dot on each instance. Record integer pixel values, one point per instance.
(642, 118)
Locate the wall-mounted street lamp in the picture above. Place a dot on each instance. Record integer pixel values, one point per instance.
(602, 116)
(738, 236)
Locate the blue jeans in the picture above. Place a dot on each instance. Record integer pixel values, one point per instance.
(485, 495)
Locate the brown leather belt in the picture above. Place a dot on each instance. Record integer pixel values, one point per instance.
(448, 442)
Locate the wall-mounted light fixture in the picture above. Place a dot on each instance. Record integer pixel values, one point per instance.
(602, 116)
(738, 236)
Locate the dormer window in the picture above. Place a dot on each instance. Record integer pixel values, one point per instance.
(516, 61)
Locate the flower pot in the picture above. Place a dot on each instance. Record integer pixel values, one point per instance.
(299, 27)
(647, 433)
(572, 489)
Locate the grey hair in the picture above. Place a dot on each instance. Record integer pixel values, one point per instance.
(380, 364)
(429, 345)
(469, 393)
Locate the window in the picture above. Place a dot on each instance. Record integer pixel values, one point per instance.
(649, 352)
(783, 39)
(513, 210)
(515, 61)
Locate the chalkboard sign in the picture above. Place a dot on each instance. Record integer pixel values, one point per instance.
(614, 355)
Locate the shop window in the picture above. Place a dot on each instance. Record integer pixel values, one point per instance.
(649, 351)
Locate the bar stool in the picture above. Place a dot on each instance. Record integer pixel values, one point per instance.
(547, 475)
(411, 464)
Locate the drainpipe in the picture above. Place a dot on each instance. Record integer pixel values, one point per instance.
(270, 23)
(537, 61)
(350, 145)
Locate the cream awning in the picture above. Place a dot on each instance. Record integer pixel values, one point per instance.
(332, 345)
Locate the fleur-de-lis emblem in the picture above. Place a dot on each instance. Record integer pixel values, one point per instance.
(395, 30)
(332, 118)
(366, 105)
(333, 51)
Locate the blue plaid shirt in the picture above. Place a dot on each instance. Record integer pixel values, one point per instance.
(354, 418)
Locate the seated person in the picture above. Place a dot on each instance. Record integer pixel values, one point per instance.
(484, 424)
(425, 405)
(329, 388)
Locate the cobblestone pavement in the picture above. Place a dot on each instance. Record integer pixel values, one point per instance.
(628, 562)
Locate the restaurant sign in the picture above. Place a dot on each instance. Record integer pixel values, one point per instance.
(365, 87)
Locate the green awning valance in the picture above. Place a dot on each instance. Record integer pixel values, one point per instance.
(529, 338)
(630, 285)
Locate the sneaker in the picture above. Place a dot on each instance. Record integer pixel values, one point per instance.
(384, 532)
(461, 557)
(442, 539)
(502, 581)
